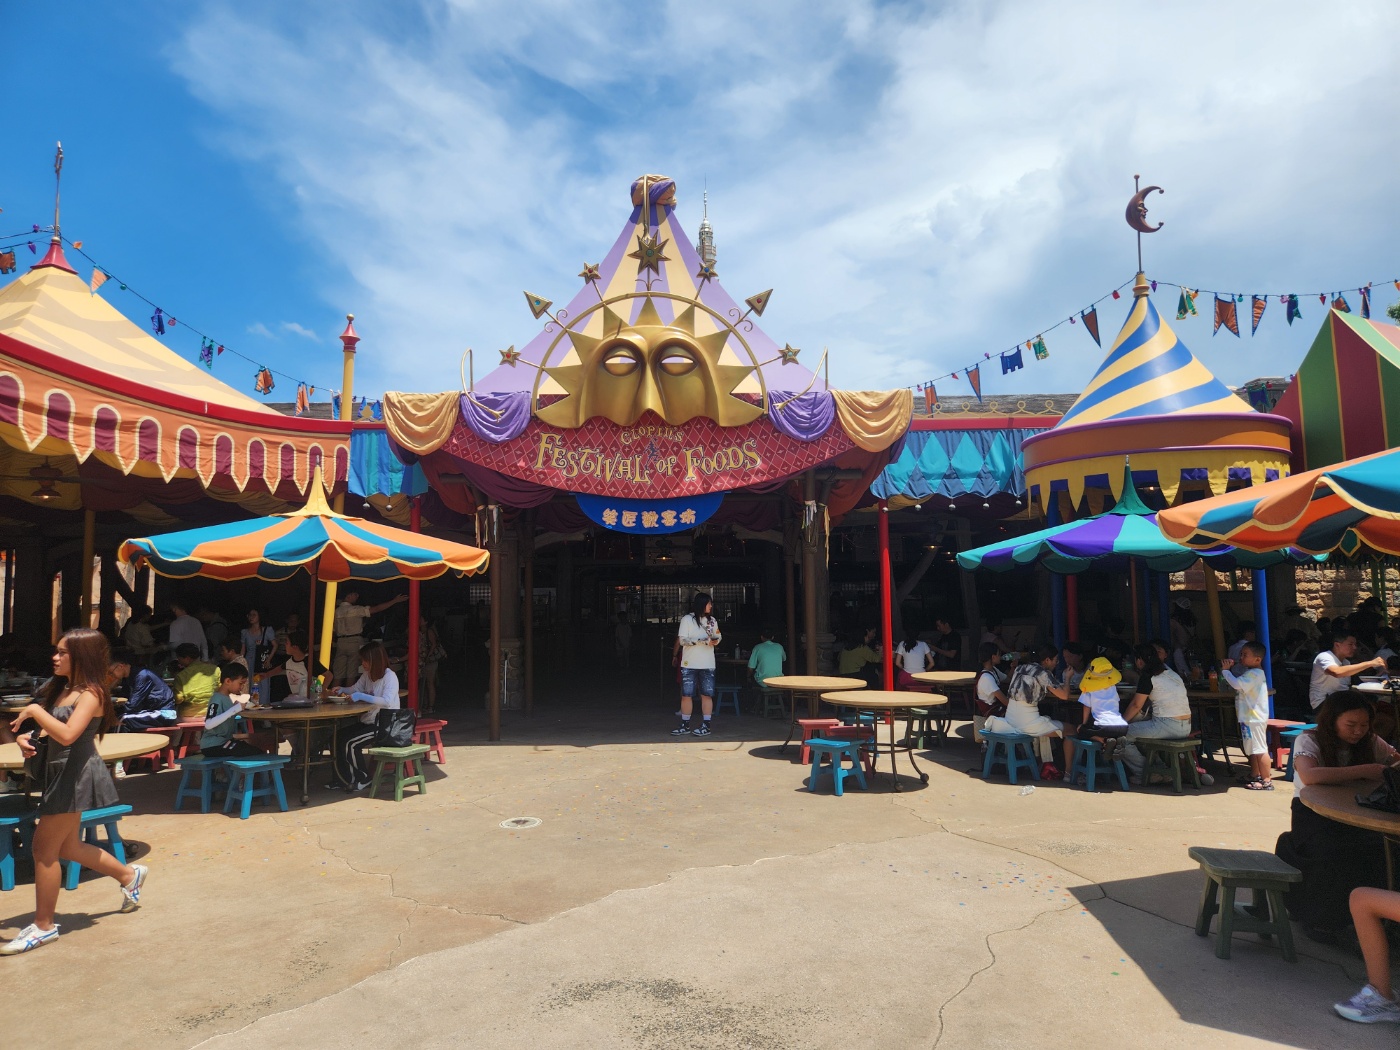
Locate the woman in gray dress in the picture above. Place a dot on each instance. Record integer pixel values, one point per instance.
(76, 710)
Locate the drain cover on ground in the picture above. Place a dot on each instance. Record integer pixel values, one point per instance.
(517, 823)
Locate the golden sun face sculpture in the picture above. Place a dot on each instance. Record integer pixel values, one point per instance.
(648, 366)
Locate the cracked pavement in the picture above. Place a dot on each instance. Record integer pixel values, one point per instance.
(678, 894)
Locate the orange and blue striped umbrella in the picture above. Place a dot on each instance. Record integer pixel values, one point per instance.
(1341, 506)
(332, 547)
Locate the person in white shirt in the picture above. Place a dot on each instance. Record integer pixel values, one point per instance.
(1251, 688)
(1161, 695)
(350, 617)
(1247, 635)
(911, 656)
(377, 685)
(185, 629)
(1102, 721)
(1330, 671)
(696, 639)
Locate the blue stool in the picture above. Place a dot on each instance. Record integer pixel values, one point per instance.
(1288, 738)
(836, 750)
(1008, 746)
(243, 786)
(860, 718)
(201, 768)
(726, 692)
(772, 701)
(1086, 755)
(92, 819)
(9, 824)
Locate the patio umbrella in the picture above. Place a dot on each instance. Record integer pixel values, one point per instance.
(1342, 506)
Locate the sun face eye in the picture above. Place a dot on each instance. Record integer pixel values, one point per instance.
(676, 360)
(621, 362)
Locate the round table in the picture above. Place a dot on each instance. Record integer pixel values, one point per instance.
(305, 719)
(888, 701)
(812, 686)
(112, 748)
(960, 681)
(1338, 802)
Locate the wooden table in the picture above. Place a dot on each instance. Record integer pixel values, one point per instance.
(1213, 711)
(305, 719)
(1338, 802)
(887, 702)
(950, 681)
(811, 686)
(112, 748)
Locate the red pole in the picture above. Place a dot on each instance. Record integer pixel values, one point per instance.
(415, 521)
(886, 614)
(1072, 607)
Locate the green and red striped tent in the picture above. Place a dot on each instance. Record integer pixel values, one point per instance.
(1345, 400)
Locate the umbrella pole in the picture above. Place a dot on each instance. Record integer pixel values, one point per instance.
(415, 613)
(886, 612)
(1261, 627)
(311, 629)
(1133, 600)
(1217, 629)
(1072, 607)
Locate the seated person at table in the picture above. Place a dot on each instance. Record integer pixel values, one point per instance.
(1376, 1000)
(1334, 858)
(858, 660)
(1159, 709)
(1031, 683)
(911, 657)
(766, 660)
(230, 652)
(1385, 647)
(991, 700)
(195, 681)
(947, 647)
(1102, 720)
(289, 676)
(150, 702)
(221, 738)
(377, 685)
(1252, 710)
(1076, 658)
(1332, 669)
(1247, 635)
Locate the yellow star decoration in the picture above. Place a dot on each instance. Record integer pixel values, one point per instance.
(650, 253)
(790, 353)
(706, 273)
(510, 355)
(590, 273)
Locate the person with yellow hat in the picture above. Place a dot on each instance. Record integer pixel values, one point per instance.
(1103, 721)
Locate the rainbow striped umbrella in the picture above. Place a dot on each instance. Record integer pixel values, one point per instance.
(1341, 506)
(331, 547)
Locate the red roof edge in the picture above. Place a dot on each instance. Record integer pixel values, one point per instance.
(54, 257)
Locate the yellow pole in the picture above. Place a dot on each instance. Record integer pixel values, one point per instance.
(85, 575)
(348, 340)
(1217, 629)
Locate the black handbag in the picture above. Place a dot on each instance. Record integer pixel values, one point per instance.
(1387, 796)
(393, 727)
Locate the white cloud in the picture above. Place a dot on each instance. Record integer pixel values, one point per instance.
(296, 329)
(260, 329)
(920, 184)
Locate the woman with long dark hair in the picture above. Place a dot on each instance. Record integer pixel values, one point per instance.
(696, 639)
(1159, 709)
(377, 685)
(76, 709)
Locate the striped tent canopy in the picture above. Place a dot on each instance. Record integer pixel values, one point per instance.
(1362, 358)
(331, 547)
(1152, 399)
(1341, 506)
(953, 463)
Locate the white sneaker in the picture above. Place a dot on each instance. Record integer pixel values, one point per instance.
(9, 786)
(29, 938)
(1367, 1006)
(131, 893)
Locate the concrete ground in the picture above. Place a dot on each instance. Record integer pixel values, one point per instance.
(677, 893)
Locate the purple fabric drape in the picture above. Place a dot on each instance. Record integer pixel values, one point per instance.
(806, 417)
(508, 491)
(479, 413)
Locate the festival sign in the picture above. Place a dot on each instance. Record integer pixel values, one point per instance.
(650, 517)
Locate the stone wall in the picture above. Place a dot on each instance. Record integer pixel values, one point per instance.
(1335, 591)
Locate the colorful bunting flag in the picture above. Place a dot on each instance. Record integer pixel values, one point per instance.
(1259, 399)
(1340, 303)
(33, 249)
(1117, 296)
(1091, 322)
(974, 376)
(930, 399)
(1293, 313)
(1041, 352)
(1227, 315)
(206, 355)
(158, 322)
(7, 262)
(1365, 301)
(335, 404)
(1012, 361)
(1258, 304)
(221, 348)
(263, 382)
(98, 279)
(1186, 305)
(303, 402)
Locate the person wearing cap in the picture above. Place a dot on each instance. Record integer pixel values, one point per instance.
(1103, 723)
(1161, 702)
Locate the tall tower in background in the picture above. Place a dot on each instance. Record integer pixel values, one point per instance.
(707, 235)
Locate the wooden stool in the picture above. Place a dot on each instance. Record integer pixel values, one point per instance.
(924, 722)
(161, 757)
(1227, 870)
(192, 767)
(729, 693)
(836, 751)
(1288, 739)
(813, 727)
(1009, 746)
(771, 699)
(400, 758)
(1273, 733)
(429, 731)
(23, 823)
(863, 735)
(1086, 763)
(243, 786)
(1168, 753)
(186, 737)
(92, 819)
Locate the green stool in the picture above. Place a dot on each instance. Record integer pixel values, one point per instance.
(1228, 870)
(1167, 754)
(399, 758)
(925, 724)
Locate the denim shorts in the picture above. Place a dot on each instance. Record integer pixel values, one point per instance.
(701, 679)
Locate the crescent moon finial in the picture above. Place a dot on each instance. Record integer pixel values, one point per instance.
(1136, 214)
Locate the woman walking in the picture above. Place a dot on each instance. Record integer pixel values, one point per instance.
(76, 711)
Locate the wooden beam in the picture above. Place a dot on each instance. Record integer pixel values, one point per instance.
(527, 539)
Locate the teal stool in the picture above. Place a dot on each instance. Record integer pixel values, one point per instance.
(197, 767)
(924, 725)
(1229, 870)
(1086, 756)
(1166, 755)
(243, 786)
(10, 824)
(1008, 746)
(92, 819)
(772, 701)
(835, 750)
(1289, 738)
(725, 693)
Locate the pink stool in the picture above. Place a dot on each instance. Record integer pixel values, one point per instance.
(429, 731)
(1277, 752)
(187, 743)
(865, 735)
(813, 727)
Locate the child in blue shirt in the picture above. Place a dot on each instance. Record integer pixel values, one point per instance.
(1252, 711)
(221, 738)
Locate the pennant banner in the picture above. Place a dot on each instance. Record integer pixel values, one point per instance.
(930, 399)
(1366, 301)
(1012, 361)
(1186, 305)
(1340, 303)
(1038, 345)
(974, 377)
(1090, 317)
(1227, 315)
(158, 322)
(263, 382)
(1293, 313)
(1258, 304)
(98, 280)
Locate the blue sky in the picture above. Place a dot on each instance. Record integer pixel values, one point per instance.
(920, 183)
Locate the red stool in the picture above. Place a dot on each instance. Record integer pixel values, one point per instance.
(1277, 751)
(813, 727)
(864, 734)
(429, 731)
(161, 757)
(187, 742)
